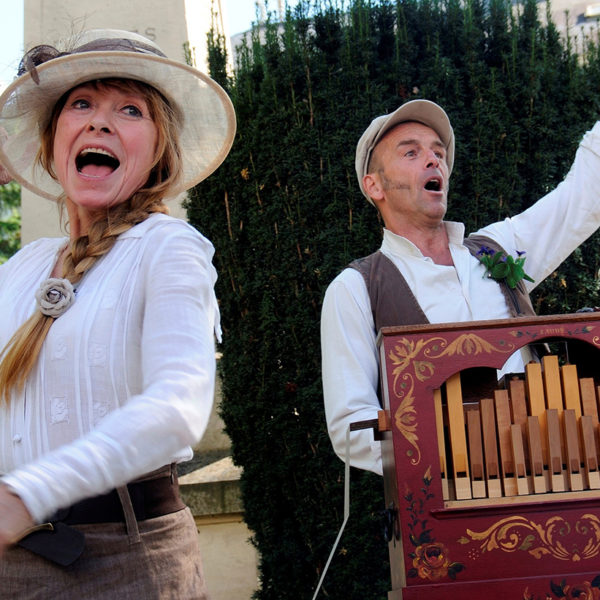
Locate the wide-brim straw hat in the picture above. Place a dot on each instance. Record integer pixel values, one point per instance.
(205, 112)
(420, 111)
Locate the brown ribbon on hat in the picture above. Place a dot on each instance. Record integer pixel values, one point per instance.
(44, 53)
(117, 45)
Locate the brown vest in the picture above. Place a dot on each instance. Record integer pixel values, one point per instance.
(393, 303)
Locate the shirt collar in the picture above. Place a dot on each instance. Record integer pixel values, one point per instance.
(138, 231)
(396, 244)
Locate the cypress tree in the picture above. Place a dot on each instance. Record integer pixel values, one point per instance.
(10, 220)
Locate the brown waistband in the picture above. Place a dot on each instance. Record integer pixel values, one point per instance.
(153, 495)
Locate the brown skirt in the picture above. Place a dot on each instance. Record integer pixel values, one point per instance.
(164, 564)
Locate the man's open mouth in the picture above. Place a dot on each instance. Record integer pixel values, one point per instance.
(434, 184)
(96, 162)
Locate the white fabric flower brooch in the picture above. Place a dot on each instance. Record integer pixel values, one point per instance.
(54, 296)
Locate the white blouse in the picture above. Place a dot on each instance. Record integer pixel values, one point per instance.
(125, 380)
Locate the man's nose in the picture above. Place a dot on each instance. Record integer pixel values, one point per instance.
(433, 160)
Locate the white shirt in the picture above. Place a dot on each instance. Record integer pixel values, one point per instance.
(125, 379)
(548, 231)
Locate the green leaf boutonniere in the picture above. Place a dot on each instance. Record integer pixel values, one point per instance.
(500, 266)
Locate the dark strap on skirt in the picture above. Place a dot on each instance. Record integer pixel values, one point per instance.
(151, 497)
(154, 495)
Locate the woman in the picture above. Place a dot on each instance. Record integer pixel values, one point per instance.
(107, 367)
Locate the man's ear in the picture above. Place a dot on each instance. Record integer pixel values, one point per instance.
(372, 185)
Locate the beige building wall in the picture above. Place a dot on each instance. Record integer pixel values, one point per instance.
(169, 23)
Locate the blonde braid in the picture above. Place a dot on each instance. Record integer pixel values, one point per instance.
(101, 237)
(21, 352)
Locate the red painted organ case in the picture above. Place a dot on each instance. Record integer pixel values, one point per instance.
(492, 491)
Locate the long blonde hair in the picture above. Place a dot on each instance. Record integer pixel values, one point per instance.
(21, 352)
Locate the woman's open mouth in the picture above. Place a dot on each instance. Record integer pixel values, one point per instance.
(96, 162)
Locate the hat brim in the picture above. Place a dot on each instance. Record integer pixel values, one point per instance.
(425, 112)
(206, 112)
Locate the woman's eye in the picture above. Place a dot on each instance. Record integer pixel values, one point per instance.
(80, 104)
(132, 111)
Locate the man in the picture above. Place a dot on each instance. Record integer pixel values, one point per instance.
(425, 270)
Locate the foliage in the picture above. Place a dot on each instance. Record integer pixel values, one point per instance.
(10, 220)
(285, 215)
(500, 266)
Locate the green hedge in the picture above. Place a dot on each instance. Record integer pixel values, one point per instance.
(285, 215)
(10, 220)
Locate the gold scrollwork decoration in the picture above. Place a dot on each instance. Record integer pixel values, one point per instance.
(405, 419)
(556, 538)
(404, 355)
(417, 356)
(472, 344)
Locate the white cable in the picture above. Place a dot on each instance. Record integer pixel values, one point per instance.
(346, 510)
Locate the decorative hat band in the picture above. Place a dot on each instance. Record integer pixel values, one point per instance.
(43, 53)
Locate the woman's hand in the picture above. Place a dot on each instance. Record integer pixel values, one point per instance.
(5, 176)
(14, 518)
